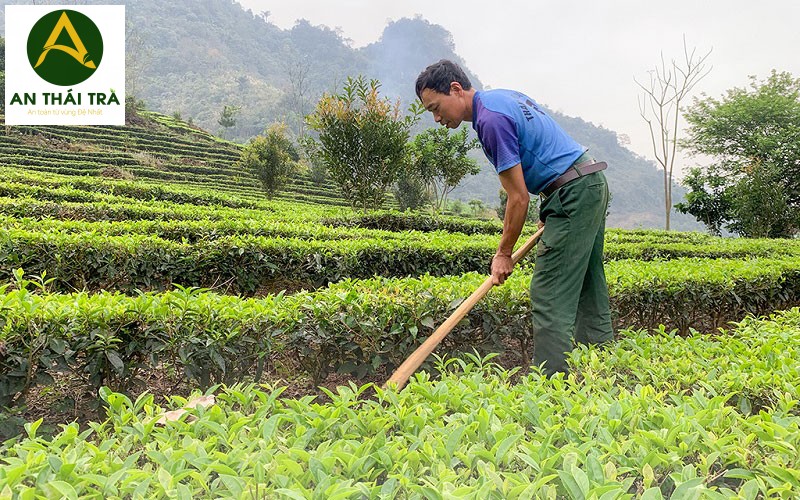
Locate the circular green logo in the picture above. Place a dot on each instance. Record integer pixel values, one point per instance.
(65, 47)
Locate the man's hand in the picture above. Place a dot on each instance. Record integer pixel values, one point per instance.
(513, 183)
(501, 268)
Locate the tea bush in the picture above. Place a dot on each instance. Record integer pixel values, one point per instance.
(621, 426)
(355, 326)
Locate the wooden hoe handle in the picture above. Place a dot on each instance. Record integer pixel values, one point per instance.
(410, 365)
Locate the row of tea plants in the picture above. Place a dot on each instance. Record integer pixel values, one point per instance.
(356, 327)
(651, 416)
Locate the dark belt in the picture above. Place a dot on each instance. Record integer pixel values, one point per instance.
(574, 172)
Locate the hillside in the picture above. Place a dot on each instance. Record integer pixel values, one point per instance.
(154, 147)
(194, 57)
(105, 331)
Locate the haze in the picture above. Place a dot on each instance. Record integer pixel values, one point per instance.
(580, 57)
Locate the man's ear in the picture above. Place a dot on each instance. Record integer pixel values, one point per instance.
(456, 88)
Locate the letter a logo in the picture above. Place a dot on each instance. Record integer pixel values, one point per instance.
(79, 52)
(65, 47)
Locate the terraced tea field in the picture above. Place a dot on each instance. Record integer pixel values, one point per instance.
(160, 148)
(121, 299)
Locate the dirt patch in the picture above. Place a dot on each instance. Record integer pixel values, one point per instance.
(135, 121)
(149, 160)
(44, 141)
(114, 172)
(187, 160)
(287, 286)
(69, 399)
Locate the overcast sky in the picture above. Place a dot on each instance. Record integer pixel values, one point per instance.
(580, 57)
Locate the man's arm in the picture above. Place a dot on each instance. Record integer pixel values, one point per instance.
(516, 209)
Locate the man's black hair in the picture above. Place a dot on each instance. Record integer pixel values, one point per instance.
(438, 76)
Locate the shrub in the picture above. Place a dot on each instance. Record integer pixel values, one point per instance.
(362, 140)
(271, 157)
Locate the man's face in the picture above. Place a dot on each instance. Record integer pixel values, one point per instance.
(447, 109)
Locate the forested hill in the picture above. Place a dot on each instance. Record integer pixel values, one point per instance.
(192, 57)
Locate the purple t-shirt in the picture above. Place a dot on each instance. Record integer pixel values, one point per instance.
(513, 129)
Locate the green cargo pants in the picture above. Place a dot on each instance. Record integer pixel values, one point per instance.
(569, 295)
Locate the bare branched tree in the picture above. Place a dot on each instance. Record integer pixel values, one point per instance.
(660, 106)
(299, 92)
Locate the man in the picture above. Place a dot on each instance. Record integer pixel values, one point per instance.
(532, 154)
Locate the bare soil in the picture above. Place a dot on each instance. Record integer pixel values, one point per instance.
(69, 399)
